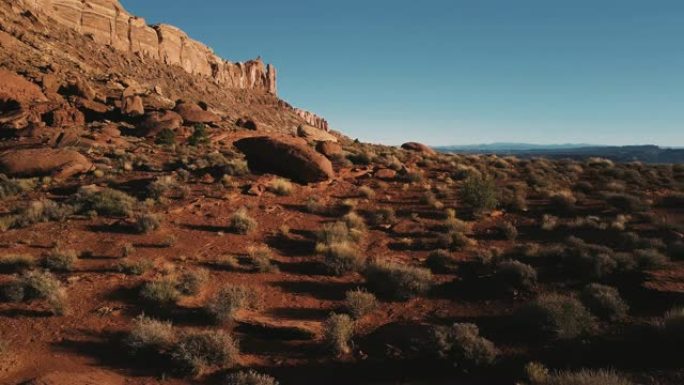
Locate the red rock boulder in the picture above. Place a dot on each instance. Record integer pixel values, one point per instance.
(418, 147)
(193, 113)
(156, 122)
(286, 157)
(329, 149)
(59, 163)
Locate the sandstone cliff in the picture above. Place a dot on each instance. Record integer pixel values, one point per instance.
(107, 22)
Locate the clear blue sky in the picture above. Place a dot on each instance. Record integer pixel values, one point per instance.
(461, 71)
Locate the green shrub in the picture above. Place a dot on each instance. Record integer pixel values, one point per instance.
(10, 187)
(16, 263)
(190, 282)
(160, 293)
(250, 378)
(587, 377)
(604, 302)
(39, 211)
(107, 202)
(463, 347)
(441, 261)
(396, 281)
(508, 231)
(280, 186)
(516, 275)
(260, 259)
(360, 303)
(61, 260)
(43, 285)
(166, 137)
(338, 331)
(223, 306)
(555, 316)
(241, 222)
(137, 267)
(194, 352)
(479, 193)
(199, 135)
(149, 335)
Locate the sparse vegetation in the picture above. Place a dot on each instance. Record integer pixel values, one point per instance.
(250, 378)
(397, 281)
(338, 331)
(160, 293)
(516, 275)
(195, 352)
(479, 193)
(241, 222)
(149, 336)
(556, 316)
(280, 186)
(604, 302)
(230, 299)
(108, 202)
(462, 345)
(16, 263)
(260, 258)
(61, 260)
(134, 267)
(360, 303)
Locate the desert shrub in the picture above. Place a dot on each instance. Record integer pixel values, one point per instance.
(147, 222)
(480, 193)
(341, 258)
(396, 281)
(235, 167)
(441, 261)
(160, 293)
(360, 303)
(338, 330)
(673, 324)
(61, 260)
(355, 224)
(650, 259)
(563, 200)
(149, 336)
(367, 192)
(42, 285)
(199, 135)
(10, 187)
(383, 216)
(514, 199)
(250, 378)
(230, 299)
(451, 223)
(164, 185)
(537, 373)
(197, 351)
(462, 345)
(280, 186)
(516, 275)
(39, 211)
(604, 302)
(549, 222)
(587, 377)
(15, 263)
(626, 202)
(107, 201)
(190, 282)
(241, 222)
(508, 230)
(134, 267)
(166, 137)
(314, 205)
(260, 259)
(431, 200)
(555, 316)
(456, 240)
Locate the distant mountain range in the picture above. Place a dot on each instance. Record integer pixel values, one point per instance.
(643, 153)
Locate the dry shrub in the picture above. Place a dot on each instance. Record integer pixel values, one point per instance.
(396, 281)
(463, 347)
(360, 303)
(241, 222)
(230, 299)
(555, 316)
(338, 330)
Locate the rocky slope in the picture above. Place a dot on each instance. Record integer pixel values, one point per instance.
(100, 41)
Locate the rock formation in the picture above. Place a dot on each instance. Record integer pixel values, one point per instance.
(107, 22)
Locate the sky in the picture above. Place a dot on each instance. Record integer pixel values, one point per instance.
(461, 71)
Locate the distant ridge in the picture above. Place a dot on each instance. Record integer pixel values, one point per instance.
(642, 153)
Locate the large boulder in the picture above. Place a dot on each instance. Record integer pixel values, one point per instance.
(132, 105)
(286, 157)
(64, 116)
(418, 147)
(193, 113)
(329, 149)
(59, 163)
(314, 134)
(17, 95)
(157, 121)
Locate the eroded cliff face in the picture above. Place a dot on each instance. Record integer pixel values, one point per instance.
(107, 22)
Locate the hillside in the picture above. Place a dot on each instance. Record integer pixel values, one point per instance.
(161, 224)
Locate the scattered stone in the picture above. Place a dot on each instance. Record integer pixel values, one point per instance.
(132, 105)
(329, 149)
(385, 174)
(247, 123)
(193, 113)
